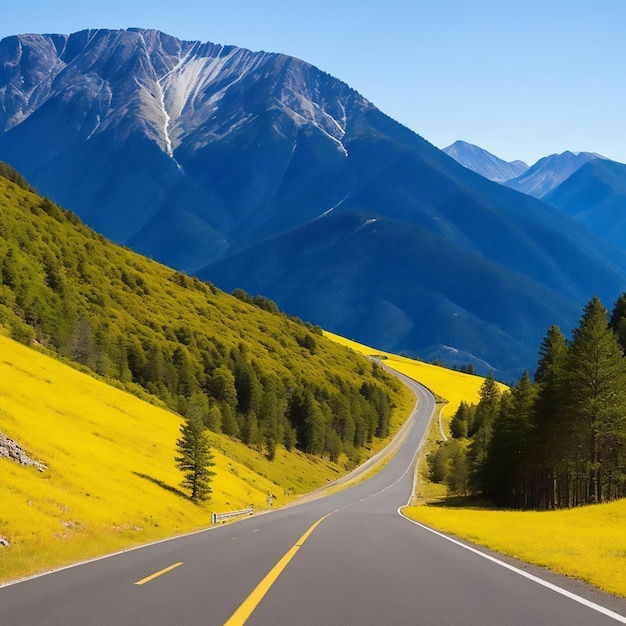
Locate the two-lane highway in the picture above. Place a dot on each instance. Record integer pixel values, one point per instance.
(347, 558)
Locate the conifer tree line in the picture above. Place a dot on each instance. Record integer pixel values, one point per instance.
(557, 442)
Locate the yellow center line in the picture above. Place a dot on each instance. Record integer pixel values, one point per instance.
(241, 615)
(147, 579)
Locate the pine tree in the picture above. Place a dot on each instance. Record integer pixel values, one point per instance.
(458, 424)
(195, 459)
(485, 415)
(550, 421)
(596, 400)
(617, 323)
(507, 466)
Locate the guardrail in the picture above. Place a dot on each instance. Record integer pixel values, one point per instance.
(217, 517)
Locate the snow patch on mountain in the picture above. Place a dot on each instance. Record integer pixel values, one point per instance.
(332, 208)
(195, 87)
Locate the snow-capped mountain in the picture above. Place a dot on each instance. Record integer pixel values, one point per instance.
(484, 163)
(260, 171)
(146, 125)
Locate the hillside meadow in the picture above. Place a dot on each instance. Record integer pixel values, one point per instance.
(588, 543)
(110, 481)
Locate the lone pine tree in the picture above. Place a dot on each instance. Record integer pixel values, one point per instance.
(195, 459)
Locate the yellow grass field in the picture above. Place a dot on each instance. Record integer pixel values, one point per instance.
(588, 543)
(111, 481)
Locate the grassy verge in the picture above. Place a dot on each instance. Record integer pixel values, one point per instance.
(588, 543)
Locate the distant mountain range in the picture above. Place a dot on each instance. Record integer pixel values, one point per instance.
(548, 173)
(585, 185)
(485, 163)
(260, 171)
(595, 195)
(538, 180)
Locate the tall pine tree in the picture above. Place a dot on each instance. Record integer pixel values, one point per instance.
(508, 468)
(550, 419)
(596, 402)
(195, 458)
(484, 417)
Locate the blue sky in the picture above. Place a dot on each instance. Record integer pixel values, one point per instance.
(520, 79)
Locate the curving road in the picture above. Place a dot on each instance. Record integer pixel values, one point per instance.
(348, 559)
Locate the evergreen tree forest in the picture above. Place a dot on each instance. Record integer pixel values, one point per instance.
(557, 442)
(238, 364)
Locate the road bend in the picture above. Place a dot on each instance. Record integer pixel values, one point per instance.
(347, 558)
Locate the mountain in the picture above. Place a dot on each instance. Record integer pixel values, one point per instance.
(596, 196)
(181, 150)
(260, 171)
(585, 185)
(397, 284)
(484, 163)
(549, 172)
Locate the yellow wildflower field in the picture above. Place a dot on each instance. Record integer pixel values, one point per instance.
(588, 543)
(111, 481)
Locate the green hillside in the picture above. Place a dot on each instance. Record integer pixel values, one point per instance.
(108, 479)
(246, 369)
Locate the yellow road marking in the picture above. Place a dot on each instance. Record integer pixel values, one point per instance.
(241, 615)
(147, 579)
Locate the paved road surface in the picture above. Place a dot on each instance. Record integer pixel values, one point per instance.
(361, 564)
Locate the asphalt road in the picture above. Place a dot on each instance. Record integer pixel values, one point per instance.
(347, 559)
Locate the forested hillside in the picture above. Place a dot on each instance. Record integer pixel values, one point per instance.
(246, 369)
(557, 442)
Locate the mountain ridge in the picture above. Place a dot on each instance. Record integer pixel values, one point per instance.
(549, 172)
(485, 163)
(595, 195)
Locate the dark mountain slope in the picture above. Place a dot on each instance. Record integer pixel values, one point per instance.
(596, 196)
(398, 286)
(403, 177)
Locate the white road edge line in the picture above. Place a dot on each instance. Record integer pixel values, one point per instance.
(568, 594)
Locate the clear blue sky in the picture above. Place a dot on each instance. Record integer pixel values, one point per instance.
(522, 79)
